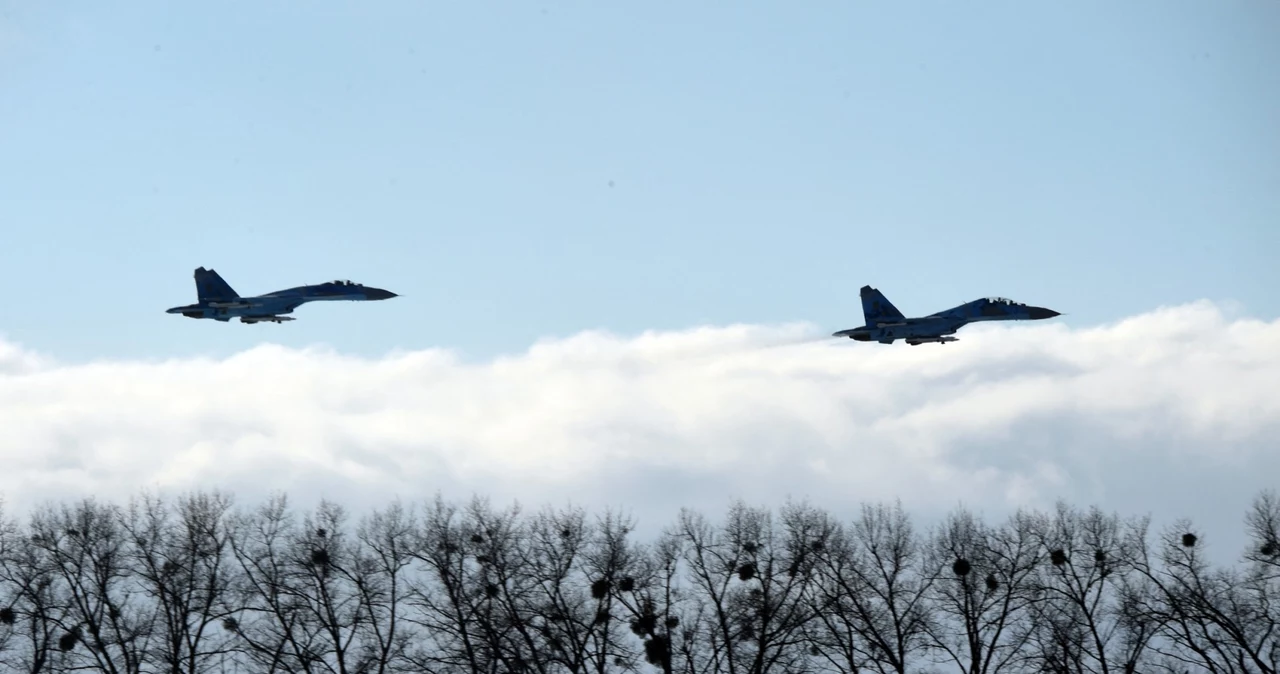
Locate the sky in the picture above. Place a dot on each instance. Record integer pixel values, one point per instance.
(766, 161)
(527, 175)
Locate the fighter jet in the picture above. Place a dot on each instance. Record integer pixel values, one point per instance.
(218, 301)
(886, 324)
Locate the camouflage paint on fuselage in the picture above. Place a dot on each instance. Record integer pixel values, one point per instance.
(218, 301)
(886, 324)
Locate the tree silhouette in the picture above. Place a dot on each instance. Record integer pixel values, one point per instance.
(983, 592)
(1078, 621)
(180, 559)
(193, 584)
(872, 594)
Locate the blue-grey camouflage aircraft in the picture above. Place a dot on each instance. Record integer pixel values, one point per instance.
(886, 324)
(218, 301)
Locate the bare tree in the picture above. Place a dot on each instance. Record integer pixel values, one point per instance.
(189, 586)
(664, 610)
(609, 563)
(1078, 623)
(872, 594)
(570, 606)
(1262, 580)
(1216, 619)
(180, 558)
(34, 609)
(108, 621)
(1263, 523)
(37, 609)
(470, 600)
(313, 597)
(13, 582)
(982, 591)
(271, 615)
(713, 560)
(755, 581)
(328, 573)
(382, 569)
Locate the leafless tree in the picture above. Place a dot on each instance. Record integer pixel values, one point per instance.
(34, 608)
(180, 559)
(1078, 622)
(108, 621)
(609, 564)
(328, 573)
(469, 599)
(1216, 619)
(664, 609)
(754, 579)
(570, 599)
(189, 586)
(14, 581)
(982, 591)
(382, 576)
(1263, 523)
(271, 611)
(1263, 574)
(872, 594)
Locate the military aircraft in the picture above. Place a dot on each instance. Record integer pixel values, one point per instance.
(218, 301)
(886, 324)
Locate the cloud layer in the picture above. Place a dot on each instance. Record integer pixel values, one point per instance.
(1176, 411)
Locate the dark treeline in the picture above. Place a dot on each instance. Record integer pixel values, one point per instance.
(197, 585)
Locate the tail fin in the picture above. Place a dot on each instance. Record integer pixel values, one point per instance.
(211, 288)
(876, 308)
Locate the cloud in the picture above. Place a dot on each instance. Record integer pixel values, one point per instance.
(1174, 412)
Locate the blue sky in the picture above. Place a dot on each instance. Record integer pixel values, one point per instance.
(527, 170)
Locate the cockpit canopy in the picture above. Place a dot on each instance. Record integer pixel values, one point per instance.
(343, 283)
(1004, 300)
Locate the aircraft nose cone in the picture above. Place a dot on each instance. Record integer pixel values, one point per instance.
(379, 294)
(1039, 313)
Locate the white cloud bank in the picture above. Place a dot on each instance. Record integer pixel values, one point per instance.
(1174, 412)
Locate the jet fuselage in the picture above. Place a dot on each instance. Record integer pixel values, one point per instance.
(885, 324)
(219, 302)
